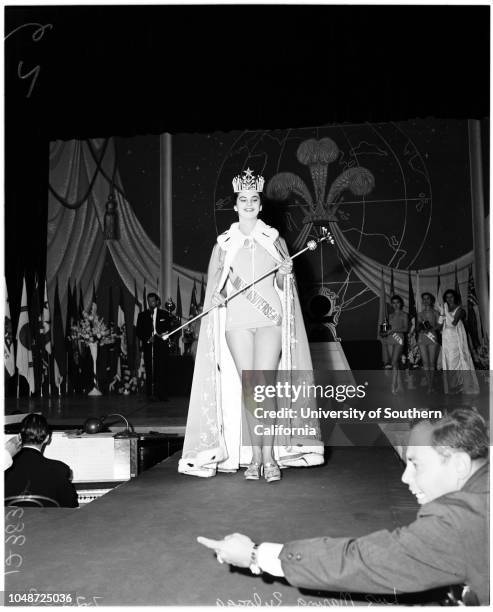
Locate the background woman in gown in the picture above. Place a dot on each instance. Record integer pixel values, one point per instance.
(260, 329)
(458, 368)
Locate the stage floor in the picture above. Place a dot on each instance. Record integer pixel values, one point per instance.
(72, 411)
(137, 544)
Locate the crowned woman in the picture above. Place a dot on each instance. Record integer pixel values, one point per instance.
(252, 341)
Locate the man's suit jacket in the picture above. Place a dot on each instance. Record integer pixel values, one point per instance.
(145, 328)
(446, 544)
(33, 474)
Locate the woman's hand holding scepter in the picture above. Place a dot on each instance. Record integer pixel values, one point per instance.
(285, 267)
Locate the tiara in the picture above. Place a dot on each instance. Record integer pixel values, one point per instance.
(248, 182)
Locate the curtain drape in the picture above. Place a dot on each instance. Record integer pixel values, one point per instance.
(76, 248)
(369, 271)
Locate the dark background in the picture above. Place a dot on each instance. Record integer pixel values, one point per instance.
(136, 70)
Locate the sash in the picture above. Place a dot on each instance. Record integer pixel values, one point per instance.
(255, 299)
(398, 338)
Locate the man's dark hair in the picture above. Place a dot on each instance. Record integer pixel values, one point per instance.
(461, 429)
(154, 295)
(34, 429)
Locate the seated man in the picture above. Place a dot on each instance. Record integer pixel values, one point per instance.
(447, 544)
(34, 474)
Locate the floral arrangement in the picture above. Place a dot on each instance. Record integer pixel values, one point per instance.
(125, 384)
(92, 328)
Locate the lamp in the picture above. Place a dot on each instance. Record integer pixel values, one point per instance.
(95, 425)
(110, 228)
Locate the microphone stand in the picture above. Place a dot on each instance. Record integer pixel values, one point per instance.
(310, 246)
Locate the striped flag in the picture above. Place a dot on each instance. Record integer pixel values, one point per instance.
(24, 359)
(474, 326)
(46, 337)
(35, 319)
(382, 306)
(392, 288)
(8, 346)
(457, 287)
(59, 364)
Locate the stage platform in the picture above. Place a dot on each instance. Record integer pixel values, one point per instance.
(71, 411)
(137, 544)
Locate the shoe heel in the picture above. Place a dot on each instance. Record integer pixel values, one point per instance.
(272, 472)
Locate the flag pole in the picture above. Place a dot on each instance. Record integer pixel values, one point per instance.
(311, 246)
(18, 381)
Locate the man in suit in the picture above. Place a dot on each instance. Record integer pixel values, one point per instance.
(447, 544)
(150, 325)
(34, 474)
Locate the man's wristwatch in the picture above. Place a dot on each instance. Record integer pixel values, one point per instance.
(254, 566)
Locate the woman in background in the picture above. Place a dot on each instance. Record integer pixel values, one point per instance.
(459, 374)
(394, 339)
(428, 337)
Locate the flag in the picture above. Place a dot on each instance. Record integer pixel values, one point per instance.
(382, 311)
(179, 309)
(144, 296)
(121, 324)
(58, 341)
(71, 346)
(193, 302)
(439, 300)
(111, 312)
(392, 288)
(179, 314)
(202, 293)
(135, 357)
(94, 298)
(137, 308)
(81, 303)
(418, 293)
(24, 359)
(46, 337)
(412, 305)
(457, 288)
(8, 346)
(473, 322)
(35, 319)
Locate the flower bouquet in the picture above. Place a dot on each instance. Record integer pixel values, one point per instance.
(92, 331)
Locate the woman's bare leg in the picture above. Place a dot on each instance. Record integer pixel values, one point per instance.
(267, 349)
(241, 345)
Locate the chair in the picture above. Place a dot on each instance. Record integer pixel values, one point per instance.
(31, 501)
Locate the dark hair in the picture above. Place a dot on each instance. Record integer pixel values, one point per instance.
(34, 429)
(154, 295)
(454, 293)
(399, 299)
(430, 295)
(461, 429)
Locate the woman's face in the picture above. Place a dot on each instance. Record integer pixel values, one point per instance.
(248, 204)
(426, 300)
(450, 299)
(396, 304)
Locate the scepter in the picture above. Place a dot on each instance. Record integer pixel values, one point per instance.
(311, 245)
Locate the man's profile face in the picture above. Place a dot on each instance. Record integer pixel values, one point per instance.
(152, 301)
(428, 474)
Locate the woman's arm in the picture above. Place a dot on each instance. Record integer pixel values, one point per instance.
(459, 314)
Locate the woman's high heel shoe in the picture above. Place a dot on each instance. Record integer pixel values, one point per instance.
(272, 472)
(253, 471)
